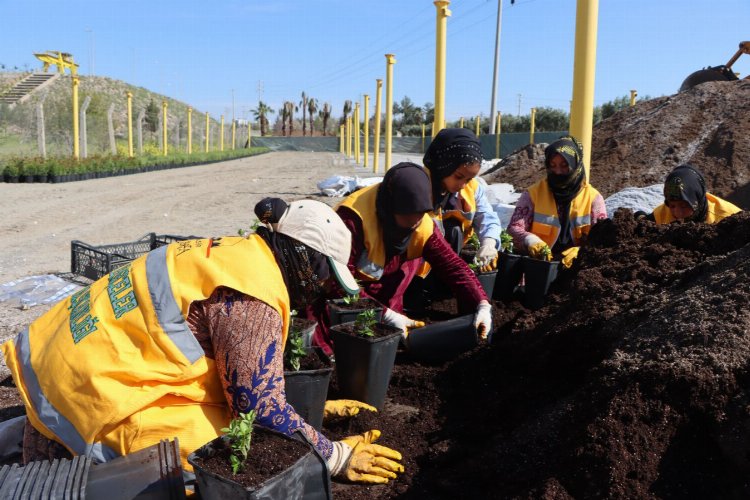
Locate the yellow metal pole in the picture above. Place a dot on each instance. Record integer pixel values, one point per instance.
(533, 124)
(441, 28)
(130, 124)
(341, 138)
(584, 64)
(349, 136)
(497, 136)
(221, 134)
(633, 95)
(208, 130)
(367, 130)
(376, 135)
(356, 133)
(461, 122)
(476, 126)
(76, 133)
(234, 128)
(190, 131)
(165, 146)
(390, 61)
(423, 138)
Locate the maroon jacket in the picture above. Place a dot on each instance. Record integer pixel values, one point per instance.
(397, 275)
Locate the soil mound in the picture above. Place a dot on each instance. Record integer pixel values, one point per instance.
(707, 126)
(632, 382)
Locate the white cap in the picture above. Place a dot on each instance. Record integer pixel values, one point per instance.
(316, 225)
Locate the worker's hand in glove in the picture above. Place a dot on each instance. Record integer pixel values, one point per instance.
(487, 255)
(483, 319)
(357, 459)
(537, 248)
(404, 323)
(344, 408)
(569, 255)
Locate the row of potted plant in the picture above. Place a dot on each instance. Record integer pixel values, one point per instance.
(68, 169)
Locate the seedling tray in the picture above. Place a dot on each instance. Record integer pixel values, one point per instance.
(93, 262)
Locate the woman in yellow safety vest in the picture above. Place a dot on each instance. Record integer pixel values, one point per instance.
(460, 205)
(553, 215)
(180, 340)
(391, 233)
(686, 199)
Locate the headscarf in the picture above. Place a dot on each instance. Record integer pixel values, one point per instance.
(565, 187)
(686, 183)
(304, 270)
(405, 189)
(451, 148)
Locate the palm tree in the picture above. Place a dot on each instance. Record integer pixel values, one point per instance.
(290, 109)
(347, 110)
(261, 114)
(312, 107)
(303, 104)
(325, 115)
(284, 117)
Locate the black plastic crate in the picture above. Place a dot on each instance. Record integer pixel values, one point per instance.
(93, 262)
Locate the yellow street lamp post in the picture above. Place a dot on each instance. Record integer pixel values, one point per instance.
(497, 136)
(367, 130)
(390, 61)
(633, 95)
(441, 28)
(76, 132)
(533, 124)
(376, 134)
(356, 133)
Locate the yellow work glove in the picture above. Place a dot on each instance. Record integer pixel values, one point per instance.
(344, 408)
(487, 255)
(398, 320)
(357, 459)
(537, 248)
(568, 256)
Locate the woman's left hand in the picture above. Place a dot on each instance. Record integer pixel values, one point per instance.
(483, 319)
(487, 255)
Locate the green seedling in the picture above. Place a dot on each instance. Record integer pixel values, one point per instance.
(546, 253)
(473, 243)
(474, 265)
(253, 228)
(365, 322)
(506, 242)
(295, 349)
(351, 299)
(240, 433)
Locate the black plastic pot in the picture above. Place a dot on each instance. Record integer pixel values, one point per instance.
(509, 272)
(538, 275)
(341, 315)
(307, 479)
(306, 391)
(364, 364)
(306, 328)
(442, 341)
(488, 282)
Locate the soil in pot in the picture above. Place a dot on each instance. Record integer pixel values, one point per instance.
(342, 312)
(269, 456)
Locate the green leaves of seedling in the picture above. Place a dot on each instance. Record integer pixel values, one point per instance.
(365, 322)
(351, 299)
(506, 242)
(240, 433)
(295, 348)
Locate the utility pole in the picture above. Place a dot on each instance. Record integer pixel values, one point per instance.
(519, 105)
(260, 90)
(497, 64)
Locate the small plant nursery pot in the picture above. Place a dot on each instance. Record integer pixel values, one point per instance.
(509, 272)
(538, 275)
(306, 390)
(341, 312)
(307, 478)
(364, 364)
(443, 340)
(307, 327)
(487, 281)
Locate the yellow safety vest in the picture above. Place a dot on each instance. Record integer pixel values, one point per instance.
(546, 223)
(114, 368)
(466, 219)
(372, 261)
(717, 210)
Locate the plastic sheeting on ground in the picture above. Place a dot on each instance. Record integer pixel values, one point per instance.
(342, 185)
(645, 198)
(34, 290)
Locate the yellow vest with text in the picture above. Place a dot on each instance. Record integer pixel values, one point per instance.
(546, 223)
(372, 261)
(717, 210)
(114, 368)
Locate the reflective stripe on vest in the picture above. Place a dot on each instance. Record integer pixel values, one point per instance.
(718, 209)
(372, 260)
(546, 223)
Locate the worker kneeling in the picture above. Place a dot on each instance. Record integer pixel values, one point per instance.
(182, 339)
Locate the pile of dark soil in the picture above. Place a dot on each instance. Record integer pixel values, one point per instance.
(632, 382)
(707, 126)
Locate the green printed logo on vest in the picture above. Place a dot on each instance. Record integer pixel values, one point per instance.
(81, 321)
(120, 291)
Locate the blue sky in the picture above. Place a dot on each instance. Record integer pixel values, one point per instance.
(199, 51)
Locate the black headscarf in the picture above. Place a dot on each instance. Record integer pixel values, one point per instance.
(451, 148)
(686, 183)
(405, 190)
(565, 187)
(304, 270)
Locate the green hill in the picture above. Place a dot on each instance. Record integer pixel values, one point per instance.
(18, 124)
